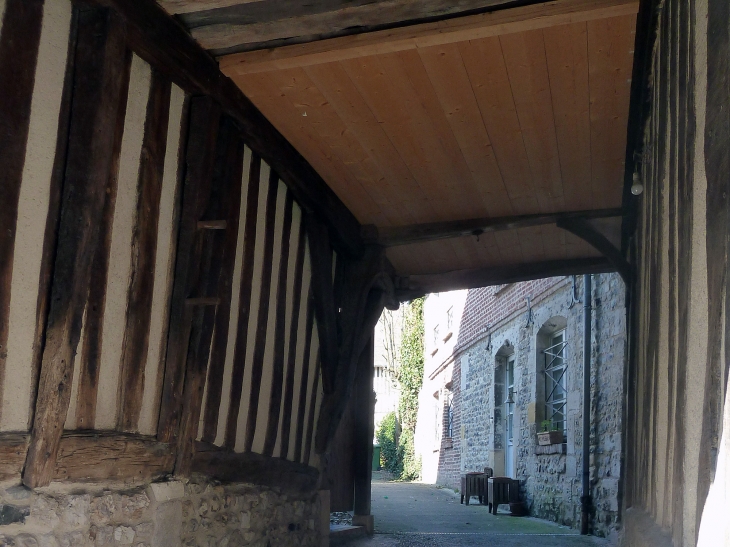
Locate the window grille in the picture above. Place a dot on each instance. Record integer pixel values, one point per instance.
(555, 391)
(450, 418)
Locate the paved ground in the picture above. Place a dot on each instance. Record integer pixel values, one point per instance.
(418, 515)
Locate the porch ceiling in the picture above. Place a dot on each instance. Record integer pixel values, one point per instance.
(518, 111)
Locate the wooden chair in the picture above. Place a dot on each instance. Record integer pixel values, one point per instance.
(474, 484)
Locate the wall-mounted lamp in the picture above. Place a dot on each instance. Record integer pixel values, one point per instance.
(637, 187)
(510, 397)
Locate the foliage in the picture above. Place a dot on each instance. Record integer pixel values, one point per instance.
(546, 424)
(411, 465)
(410, 371)
(387, 436)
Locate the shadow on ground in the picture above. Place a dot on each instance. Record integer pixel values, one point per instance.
(414, 515)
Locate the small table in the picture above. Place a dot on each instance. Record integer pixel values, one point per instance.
(474, 484)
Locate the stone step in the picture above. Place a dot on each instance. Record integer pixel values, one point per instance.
(341, 534)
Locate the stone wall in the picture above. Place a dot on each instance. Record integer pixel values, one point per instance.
(550, 482)
(198, 513)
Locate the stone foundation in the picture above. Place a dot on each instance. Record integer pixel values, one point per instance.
(197, 513)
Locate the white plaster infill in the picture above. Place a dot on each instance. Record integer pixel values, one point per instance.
(162, 492)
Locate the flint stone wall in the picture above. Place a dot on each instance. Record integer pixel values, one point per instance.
(550, 484)
(198, 513)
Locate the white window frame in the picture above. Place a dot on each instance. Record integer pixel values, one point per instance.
(556, 400)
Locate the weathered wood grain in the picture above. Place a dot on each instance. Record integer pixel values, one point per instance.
(13, 448)
(272, 425)
(323, 298)
(54, 211)
(311, 419)
(19, 45)
(277, 22)
(234, 159)
(112, 456)
(215, 273)
(199, 161)
(496, 23)
(144, 247)
(93, 333)
(262, 318)
(163, 43)
(228, 466)
(293, 338)
(187, 6)
(244, 302)
(304, 384)
(98, 76)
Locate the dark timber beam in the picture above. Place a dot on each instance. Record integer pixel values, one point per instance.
(164, 43)
(228, 466)
(415, 286)
(415, 233)
(587, 232)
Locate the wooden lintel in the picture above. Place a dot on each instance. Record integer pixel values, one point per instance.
(496, 23)
(415, 286)
(228, 466)
(414, 233)
(587, 232)
(163, 42)
(212, 224)
(89, 456)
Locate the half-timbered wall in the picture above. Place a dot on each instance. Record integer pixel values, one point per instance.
(142, 235)
(678, 436)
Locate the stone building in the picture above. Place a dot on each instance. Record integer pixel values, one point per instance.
(387, 339)
(499, 362)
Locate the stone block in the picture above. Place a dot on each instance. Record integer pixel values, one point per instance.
(12, 514)
(168, 525)
(162, 492)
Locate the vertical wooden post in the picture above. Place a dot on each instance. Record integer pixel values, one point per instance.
(364, 431)
(98, 74)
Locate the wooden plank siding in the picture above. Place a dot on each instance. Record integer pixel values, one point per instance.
(184, 313)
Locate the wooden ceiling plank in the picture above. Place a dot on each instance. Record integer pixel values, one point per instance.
(554, 242)
(337, 87)
(524, 55)
(286, 119)
(508, 244)
(189, 6)
(610, 54)
(473, 27)
(450, 80)
(409, 131)
(531, 244)
(314, 110)
(408, 64)
(490, 83)
(566, 48)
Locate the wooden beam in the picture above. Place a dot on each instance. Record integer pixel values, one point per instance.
(99, 69)
(144, 245)
(281, 22)
(583, 229)
(277, 381)
(214, 276)
(496, 23)
(414, 233)
(164, 43)
(228, 466)
(97, 456)
(19, 45)
(188, 6)
(323, 298)
(199, 161)
(85, 455)
(415, 286)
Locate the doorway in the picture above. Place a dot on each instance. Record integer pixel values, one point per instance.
(509, 413)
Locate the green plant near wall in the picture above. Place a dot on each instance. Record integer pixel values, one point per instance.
(410, 379)
(387, 436)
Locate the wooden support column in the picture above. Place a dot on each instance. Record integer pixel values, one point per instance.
(214, 277)
(367, 287)
(199, 159)
(364, 431)
(98, 74)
